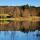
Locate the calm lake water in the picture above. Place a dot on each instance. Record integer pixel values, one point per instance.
(18, 35)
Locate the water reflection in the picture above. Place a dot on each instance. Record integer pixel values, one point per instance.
(18, 35)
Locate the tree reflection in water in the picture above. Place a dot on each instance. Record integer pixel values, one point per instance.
(18, 35)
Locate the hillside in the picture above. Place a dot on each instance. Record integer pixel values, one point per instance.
(19, 12)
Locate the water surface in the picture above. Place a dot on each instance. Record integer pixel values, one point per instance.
(18, 35)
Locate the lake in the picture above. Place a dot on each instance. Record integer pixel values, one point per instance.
(18, 35)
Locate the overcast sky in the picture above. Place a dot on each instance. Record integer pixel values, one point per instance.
(19, 2)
